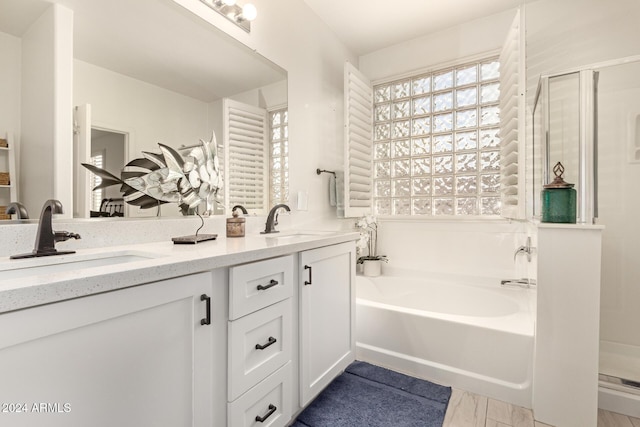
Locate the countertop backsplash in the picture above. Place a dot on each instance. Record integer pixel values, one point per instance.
(96, 233)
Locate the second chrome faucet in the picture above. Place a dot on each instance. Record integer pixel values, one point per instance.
(272, 219)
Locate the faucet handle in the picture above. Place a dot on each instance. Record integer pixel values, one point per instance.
(526, 249)
(62, 236)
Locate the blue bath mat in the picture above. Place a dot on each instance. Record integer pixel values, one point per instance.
(367, 395)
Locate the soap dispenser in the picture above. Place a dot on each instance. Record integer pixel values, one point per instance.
(235, 225)
(559, 199)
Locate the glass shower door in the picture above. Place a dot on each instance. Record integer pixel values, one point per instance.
(618, 112)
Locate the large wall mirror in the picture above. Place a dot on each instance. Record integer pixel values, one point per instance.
(143, 72)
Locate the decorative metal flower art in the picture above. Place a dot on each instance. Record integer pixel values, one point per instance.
(169, 177)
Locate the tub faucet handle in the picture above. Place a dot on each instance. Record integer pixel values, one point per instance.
(527, 249)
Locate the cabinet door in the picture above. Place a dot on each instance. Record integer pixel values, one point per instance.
(134, 357)
(327, 313)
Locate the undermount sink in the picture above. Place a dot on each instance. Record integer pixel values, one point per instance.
(297, 234)
(300, 233)
(17, 269)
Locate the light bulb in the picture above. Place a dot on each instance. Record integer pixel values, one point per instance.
(249, 12)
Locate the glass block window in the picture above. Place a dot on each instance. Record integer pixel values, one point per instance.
(436, 145)
(279, 155)
(95, 180)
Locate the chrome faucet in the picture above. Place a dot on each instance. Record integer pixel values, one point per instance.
(272, 219)
(527, 249)
(524, 283)
(18, 209)
(46, 238)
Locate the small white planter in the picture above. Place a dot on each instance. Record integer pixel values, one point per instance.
(372, 268)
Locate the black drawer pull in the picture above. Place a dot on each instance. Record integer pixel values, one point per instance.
(206, 320)
(308, 282)
(271, 341)
(272, 409)
(271, 284)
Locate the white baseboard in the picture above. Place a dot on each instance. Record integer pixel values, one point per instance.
(619, 401)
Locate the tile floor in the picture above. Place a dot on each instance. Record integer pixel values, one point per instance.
(472, 410)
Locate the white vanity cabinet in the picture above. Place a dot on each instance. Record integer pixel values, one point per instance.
(260, 346)
(140, 356)
(327, 314)
(242, 345)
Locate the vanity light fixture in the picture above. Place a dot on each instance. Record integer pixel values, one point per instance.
(239, 15)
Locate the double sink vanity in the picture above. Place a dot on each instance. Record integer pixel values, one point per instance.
(233, 332)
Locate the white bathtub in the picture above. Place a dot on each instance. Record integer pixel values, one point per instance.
(473, 335)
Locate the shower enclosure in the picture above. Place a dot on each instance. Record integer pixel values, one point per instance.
(589, 119)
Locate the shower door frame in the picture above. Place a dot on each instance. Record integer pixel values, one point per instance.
(587, 206)
(587, 203)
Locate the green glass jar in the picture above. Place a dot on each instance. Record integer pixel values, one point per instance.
(559, 199)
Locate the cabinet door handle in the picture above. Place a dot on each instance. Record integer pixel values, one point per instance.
(272, 409)
(308, 282)
(207, 319)
(271, 284)
(271, 341)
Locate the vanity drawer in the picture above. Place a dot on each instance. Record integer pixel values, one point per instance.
(259, 284)
(259, 344)
(270, 401)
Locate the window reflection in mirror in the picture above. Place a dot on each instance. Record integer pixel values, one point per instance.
(279, 146)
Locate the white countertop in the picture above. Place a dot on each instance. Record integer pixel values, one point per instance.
(169, 261)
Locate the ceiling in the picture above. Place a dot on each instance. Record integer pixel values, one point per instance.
(365, 26)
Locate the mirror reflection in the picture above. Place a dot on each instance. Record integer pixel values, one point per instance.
(139, 74)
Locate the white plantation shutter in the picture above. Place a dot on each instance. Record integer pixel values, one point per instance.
(358, 108)
(512, 125)
(246, 159)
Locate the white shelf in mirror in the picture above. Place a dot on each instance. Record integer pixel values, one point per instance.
(8, 164)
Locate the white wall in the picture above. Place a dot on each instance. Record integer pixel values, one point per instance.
(566, 34)
(37, 114)
(149, 113)
(63, 108)
(469, 39)
(266, 97)
(10, 52)
(470, 248)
